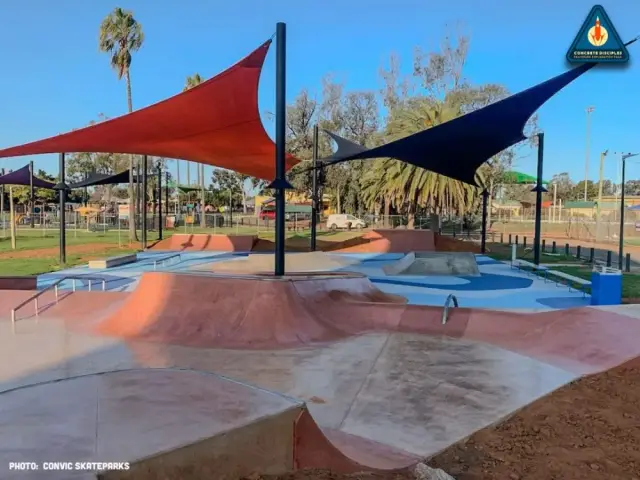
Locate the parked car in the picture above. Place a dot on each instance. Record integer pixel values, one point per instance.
(336, 221)
(268, 215)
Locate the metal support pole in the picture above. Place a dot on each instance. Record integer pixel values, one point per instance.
(621, 237)
(483, 240)
(63, 193)
(143, 202)
(2, 202)
(280, 182)
(159, 201)
(203, 219)
(31, 196)
(137, 205)
(314, 190)
(166, 194)
(539, 189)
(587, 153)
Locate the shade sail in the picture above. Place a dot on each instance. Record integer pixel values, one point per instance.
(216, 123)
(95, 179)
(22, 176)
(457, 148)
(519, 178)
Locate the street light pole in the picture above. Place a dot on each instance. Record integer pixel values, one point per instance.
(623, 158)
(586, 161)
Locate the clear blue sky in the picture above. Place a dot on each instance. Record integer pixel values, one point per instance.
(54, 79)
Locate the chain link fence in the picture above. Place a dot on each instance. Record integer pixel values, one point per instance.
(586, 225)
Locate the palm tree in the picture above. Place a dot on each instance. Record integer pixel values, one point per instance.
(405, 186)
(193, 81)
(120, 36)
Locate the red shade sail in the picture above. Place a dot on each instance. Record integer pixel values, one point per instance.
(216, 123)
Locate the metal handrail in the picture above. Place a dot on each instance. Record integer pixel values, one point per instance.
(54, 285)
(447, 304)
(155, 262)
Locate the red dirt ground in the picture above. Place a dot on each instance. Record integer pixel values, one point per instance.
(53, 251)
(587, 430)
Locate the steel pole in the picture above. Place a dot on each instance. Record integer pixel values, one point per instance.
(62, 192)
(143, 202)
(166, 194)
(485, 202)
(539, 190)
(2, 202)
(159, 201)
(314, 190)
(281, 89)
(586, 161)
(621, 237)
(31, 196)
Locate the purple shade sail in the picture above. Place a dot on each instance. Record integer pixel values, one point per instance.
(22, 177)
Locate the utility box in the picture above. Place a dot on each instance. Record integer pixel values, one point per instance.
(606, 286)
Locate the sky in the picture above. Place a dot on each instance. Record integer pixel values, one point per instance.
(54, 79)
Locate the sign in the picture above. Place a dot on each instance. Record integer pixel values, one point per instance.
(597, 41)
(123, 211)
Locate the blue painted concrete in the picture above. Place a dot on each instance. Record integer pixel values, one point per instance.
(498, 286)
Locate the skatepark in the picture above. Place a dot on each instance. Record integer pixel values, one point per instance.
(351, 366)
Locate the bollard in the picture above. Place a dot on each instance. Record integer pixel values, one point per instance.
(566, 249)
(578, 252)
(516, 239)
(544, 245)
(627, 266)
(524, 242)
(553, 247)
(454, 233)
(608, 258)
(592, 254)
(502, 238)
(510, 239)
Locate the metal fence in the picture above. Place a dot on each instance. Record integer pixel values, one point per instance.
(573, 224)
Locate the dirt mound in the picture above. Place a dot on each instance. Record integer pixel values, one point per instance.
(587, 430)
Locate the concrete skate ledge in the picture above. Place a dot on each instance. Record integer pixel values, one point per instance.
(114, 261)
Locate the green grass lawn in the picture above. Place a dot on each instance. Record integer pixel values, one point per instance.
(630, 281)
(499, 251)
(39, 265)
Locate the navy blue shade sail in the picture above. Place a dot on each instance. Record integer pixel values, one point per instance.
(95, 179)
(22, 177)
(457, 148)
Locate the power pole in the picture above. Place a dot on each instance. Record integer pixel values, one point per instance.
(586, 161)
(602, 157)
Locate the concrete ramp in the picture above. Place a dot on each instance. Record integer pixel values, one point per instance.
(183, 242)
(460, 264)
(166, 423)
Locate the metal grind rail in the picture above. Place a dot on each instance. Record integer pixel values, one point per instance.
(54, 286)
(163, 259)
(447, 305)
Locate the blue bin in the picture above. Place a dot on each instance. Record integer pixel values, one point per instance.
(606, 286)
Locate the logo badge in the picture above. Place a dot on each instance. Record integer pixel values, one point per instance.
(597, 41)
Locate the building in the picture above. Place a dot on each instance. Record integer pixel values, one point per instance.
(293, 198)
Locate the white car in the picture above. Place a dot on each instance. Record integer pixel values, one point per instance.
(336, 221)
